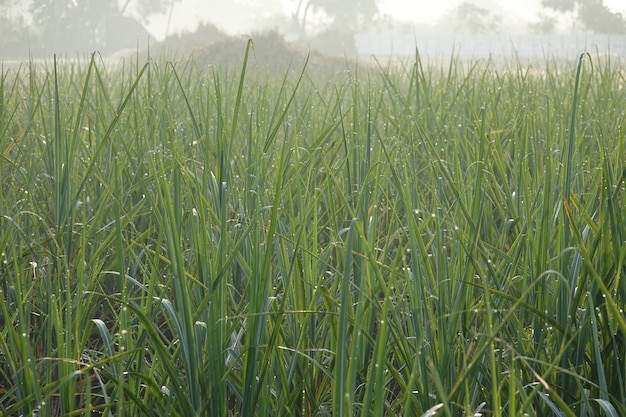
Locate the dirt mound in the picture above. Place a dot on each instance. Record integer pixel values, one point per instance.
(205, 34)
(269, 53)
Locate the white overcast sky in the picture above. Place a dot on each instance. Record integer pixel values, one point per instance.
(235, 16)
(428, 9)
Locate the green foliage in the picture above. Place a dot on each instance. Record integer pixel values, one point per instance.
(416, 240)
(476, 19)
(147, 8)
(83, 25)
(560, 5)
(593, 15)
(353, 13)
(347, 16)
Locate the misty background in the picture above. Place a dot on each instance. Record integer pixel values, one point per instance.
(39, 28)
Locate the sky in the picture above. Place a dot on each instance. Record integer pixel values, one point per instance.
(242, 16)
(424, 10)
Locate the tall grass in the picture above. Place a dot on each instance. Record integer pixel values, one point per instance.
(411, 239)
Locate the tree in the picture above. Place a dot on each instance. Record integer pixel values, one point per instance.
(545, 25)
(14, 29)
(595, 16)
(592, 15)
(477, 20)
(345, 15)
(559, 5)
(78, 25)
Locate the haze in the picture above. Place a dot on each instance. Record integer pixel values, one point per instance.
(346, 26)
(241, 16)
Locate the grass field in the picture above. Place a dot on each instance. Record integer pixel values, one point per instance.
(407, 240)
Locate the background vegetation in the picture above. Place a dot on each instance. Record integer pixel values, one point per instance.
(40, 28)
(413, 239)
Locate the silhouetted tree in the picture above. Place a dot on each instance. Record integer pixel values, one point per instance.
(477, 19)
(545, 25)
(14, 30)
(80, 24)
(593, 15)
(559, 5)
(147, 8)
(345, 15)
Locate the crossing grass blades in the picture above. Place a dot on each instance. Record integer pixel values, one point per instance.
(416, 239)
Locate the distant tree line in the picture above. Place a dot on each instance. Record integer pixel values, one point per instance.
(590, 15)
(77, 25)
(348, 15)
(111, 25)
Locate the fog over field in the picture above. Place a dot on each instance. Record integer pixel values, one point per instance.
(349, 27)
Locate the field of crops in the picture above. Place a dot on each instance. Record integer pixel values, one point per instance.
(415, 239)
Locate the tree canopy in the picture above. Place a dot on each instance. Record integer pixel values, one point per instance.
(592, 15)
(74, 24)
(13, 28)
(348, 15)
(477, 20)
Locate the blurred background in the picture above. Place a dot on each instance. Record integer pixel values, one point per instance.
(39, 28)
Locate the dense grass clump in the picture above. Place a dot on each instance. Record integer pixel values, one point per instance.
(417, 239)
